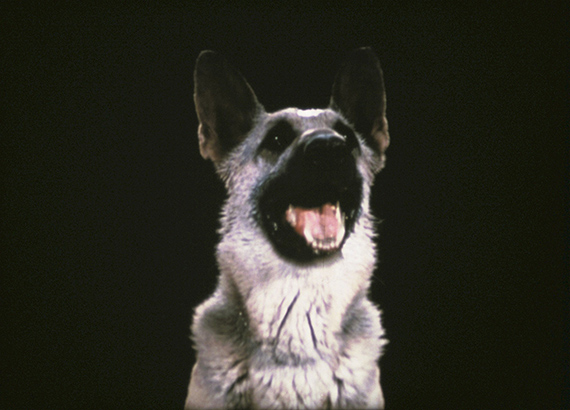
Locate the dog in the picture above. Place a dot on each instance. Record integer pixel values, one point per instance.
(289, 324)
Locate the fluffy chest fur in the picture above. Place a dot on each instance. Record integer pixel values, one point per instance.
(297, 343)
(315, 349)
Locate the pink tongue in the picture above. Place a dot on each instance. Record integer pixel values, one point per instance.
(319, 223)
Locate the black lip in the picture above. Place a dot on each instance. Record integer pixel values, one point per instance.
(295, 187)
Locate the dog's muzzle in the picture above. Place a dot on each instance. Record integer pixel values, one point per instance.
(322, 227)
(309, 208)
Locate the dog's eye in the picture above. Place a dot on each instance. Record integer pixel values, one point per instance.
(279, 137)
(344, 129)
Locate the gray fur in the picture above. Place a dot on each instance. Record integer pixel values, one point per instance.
(279, 333)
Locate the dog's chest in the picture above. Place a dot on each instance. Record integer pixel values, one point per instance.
(299, 352)
(298, 321)
(313, 386)
(298, 328)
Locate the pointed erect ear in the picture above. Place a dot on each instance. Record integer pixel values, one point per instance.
(358, 94)
(225, 103)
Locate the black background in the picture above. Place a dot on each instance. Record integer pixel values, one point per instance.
(109, 212)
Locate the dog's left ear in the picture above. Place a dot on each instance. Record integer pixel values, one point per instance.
(358, 94)
(225, 103)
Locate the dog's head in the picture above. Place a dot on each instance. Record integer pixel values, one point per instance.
(300, 176)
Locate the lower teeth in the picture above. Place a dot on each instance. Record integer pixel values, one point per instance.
(325, 245)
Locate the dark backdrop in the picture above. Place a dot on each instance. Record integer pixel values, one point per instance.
(109, 212)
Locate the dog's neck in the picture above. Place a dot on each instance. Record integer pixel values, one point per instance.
(294, 309)
(298, 319)
(296, 315)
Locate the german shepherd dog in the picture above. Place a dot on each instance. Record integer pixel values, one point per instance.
(289, 324)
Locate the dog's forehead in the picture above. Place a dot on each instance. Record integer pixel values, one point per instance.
(309, 113)
(304, 119)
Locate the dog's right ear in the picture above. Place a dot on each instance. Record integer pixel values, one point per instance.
(358, 93)
(225, 103)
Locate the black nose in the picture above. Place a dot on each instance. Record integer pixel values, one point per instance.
(328, 158)
(325, 147)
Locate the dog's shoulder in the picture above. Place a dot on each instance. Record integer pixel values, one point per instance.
(220, 320)
(361, 318)
(362, 333)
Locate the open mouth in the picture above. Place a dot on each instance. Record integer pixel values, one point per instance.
(309, 206)
(305, 220)
(323, 228)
